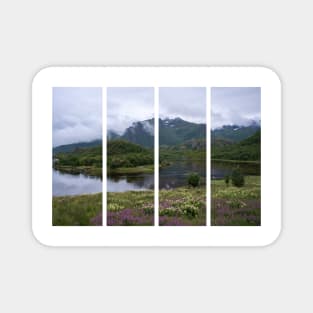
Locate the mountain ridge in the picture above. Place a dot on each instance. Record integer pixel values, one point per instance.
(172, 132)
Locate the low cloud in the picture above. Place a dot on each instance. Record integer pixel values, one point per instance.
(77, 115)
(235, 106)
(188, 103)
(127, 105)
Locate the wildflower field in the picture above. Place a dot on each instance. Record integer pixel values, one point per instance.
(236, 206)
(185, 206)
(131, 208)
(177, 207)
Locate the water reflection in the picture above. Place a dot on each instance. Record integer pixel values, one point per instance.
(130, 182)
(220, 169)
(176, 174)
(64, 184)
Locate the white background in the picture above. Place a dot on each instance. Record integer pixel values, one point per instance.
(270, 86)
(35, 34)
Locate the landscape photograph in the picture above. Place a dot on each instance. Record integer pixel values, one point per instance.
(77, 156)
(130, 156)
(182, 156)
(235, 156)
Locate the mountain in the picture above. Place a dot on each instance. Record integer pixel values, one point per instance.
(177, 131)
(74, 146)
(248, 149)
(172, 132)
(141, 133)
(111, 135)
(233, 133)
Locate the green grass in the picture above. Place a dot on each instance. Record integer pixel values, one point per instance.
(233, 206)
(251, 189)
(144, 169)
(235, 161)
(76, 210)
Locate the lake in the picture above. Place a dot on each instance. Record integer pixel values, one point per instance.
(176, 174)
(220, 169)
(121, 183)
(172, 176)
(64, 184)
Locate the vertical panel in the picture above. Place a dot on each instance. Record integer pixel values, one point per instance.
(182, 151)
(130, 156)
(236, 156)
(156, 156)
(208, 155)
(77, 156)
(104, 156)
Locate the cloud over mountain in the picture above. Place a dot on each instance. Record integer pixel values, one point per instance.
(77, 115)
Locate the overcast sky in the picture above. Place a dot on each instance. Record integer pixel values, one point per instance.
(77, 115)
(235, 105)
(127, 105)
(188, 103)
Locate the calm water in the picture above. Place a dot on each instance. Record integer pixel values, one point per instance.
(67, 184)
(171, 176)
(176, 174)
(220, 169)
(121, 183)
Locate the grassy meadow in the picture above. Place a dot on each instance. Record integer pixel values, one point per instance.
(184, 206)
(236, 206)
(177, 207)
(81, 210)
(130, 208)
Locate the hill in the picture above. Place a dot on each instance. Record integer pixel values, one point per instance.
(78, 145)
(248, 149)
(82, 160)
(120, 146)
(126, 157)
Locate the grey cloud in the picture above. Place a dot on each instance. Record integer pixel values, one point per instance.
(188, 103)
(77, 114)
(127, 105)
(235, 105)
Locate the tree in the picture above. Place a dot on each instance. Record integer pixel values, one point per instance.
(193, 179)
(226, 178)
(237, 178)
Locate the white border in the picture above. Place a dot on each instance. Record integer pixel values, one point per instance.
(156, 77)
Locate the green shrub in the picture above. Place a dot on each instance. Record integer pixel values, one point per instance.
(193, 179)
(190, 211)
(226, 178)
(237, 178)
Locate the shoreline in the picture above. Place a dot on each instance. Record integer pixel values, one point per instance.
(235, 161)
